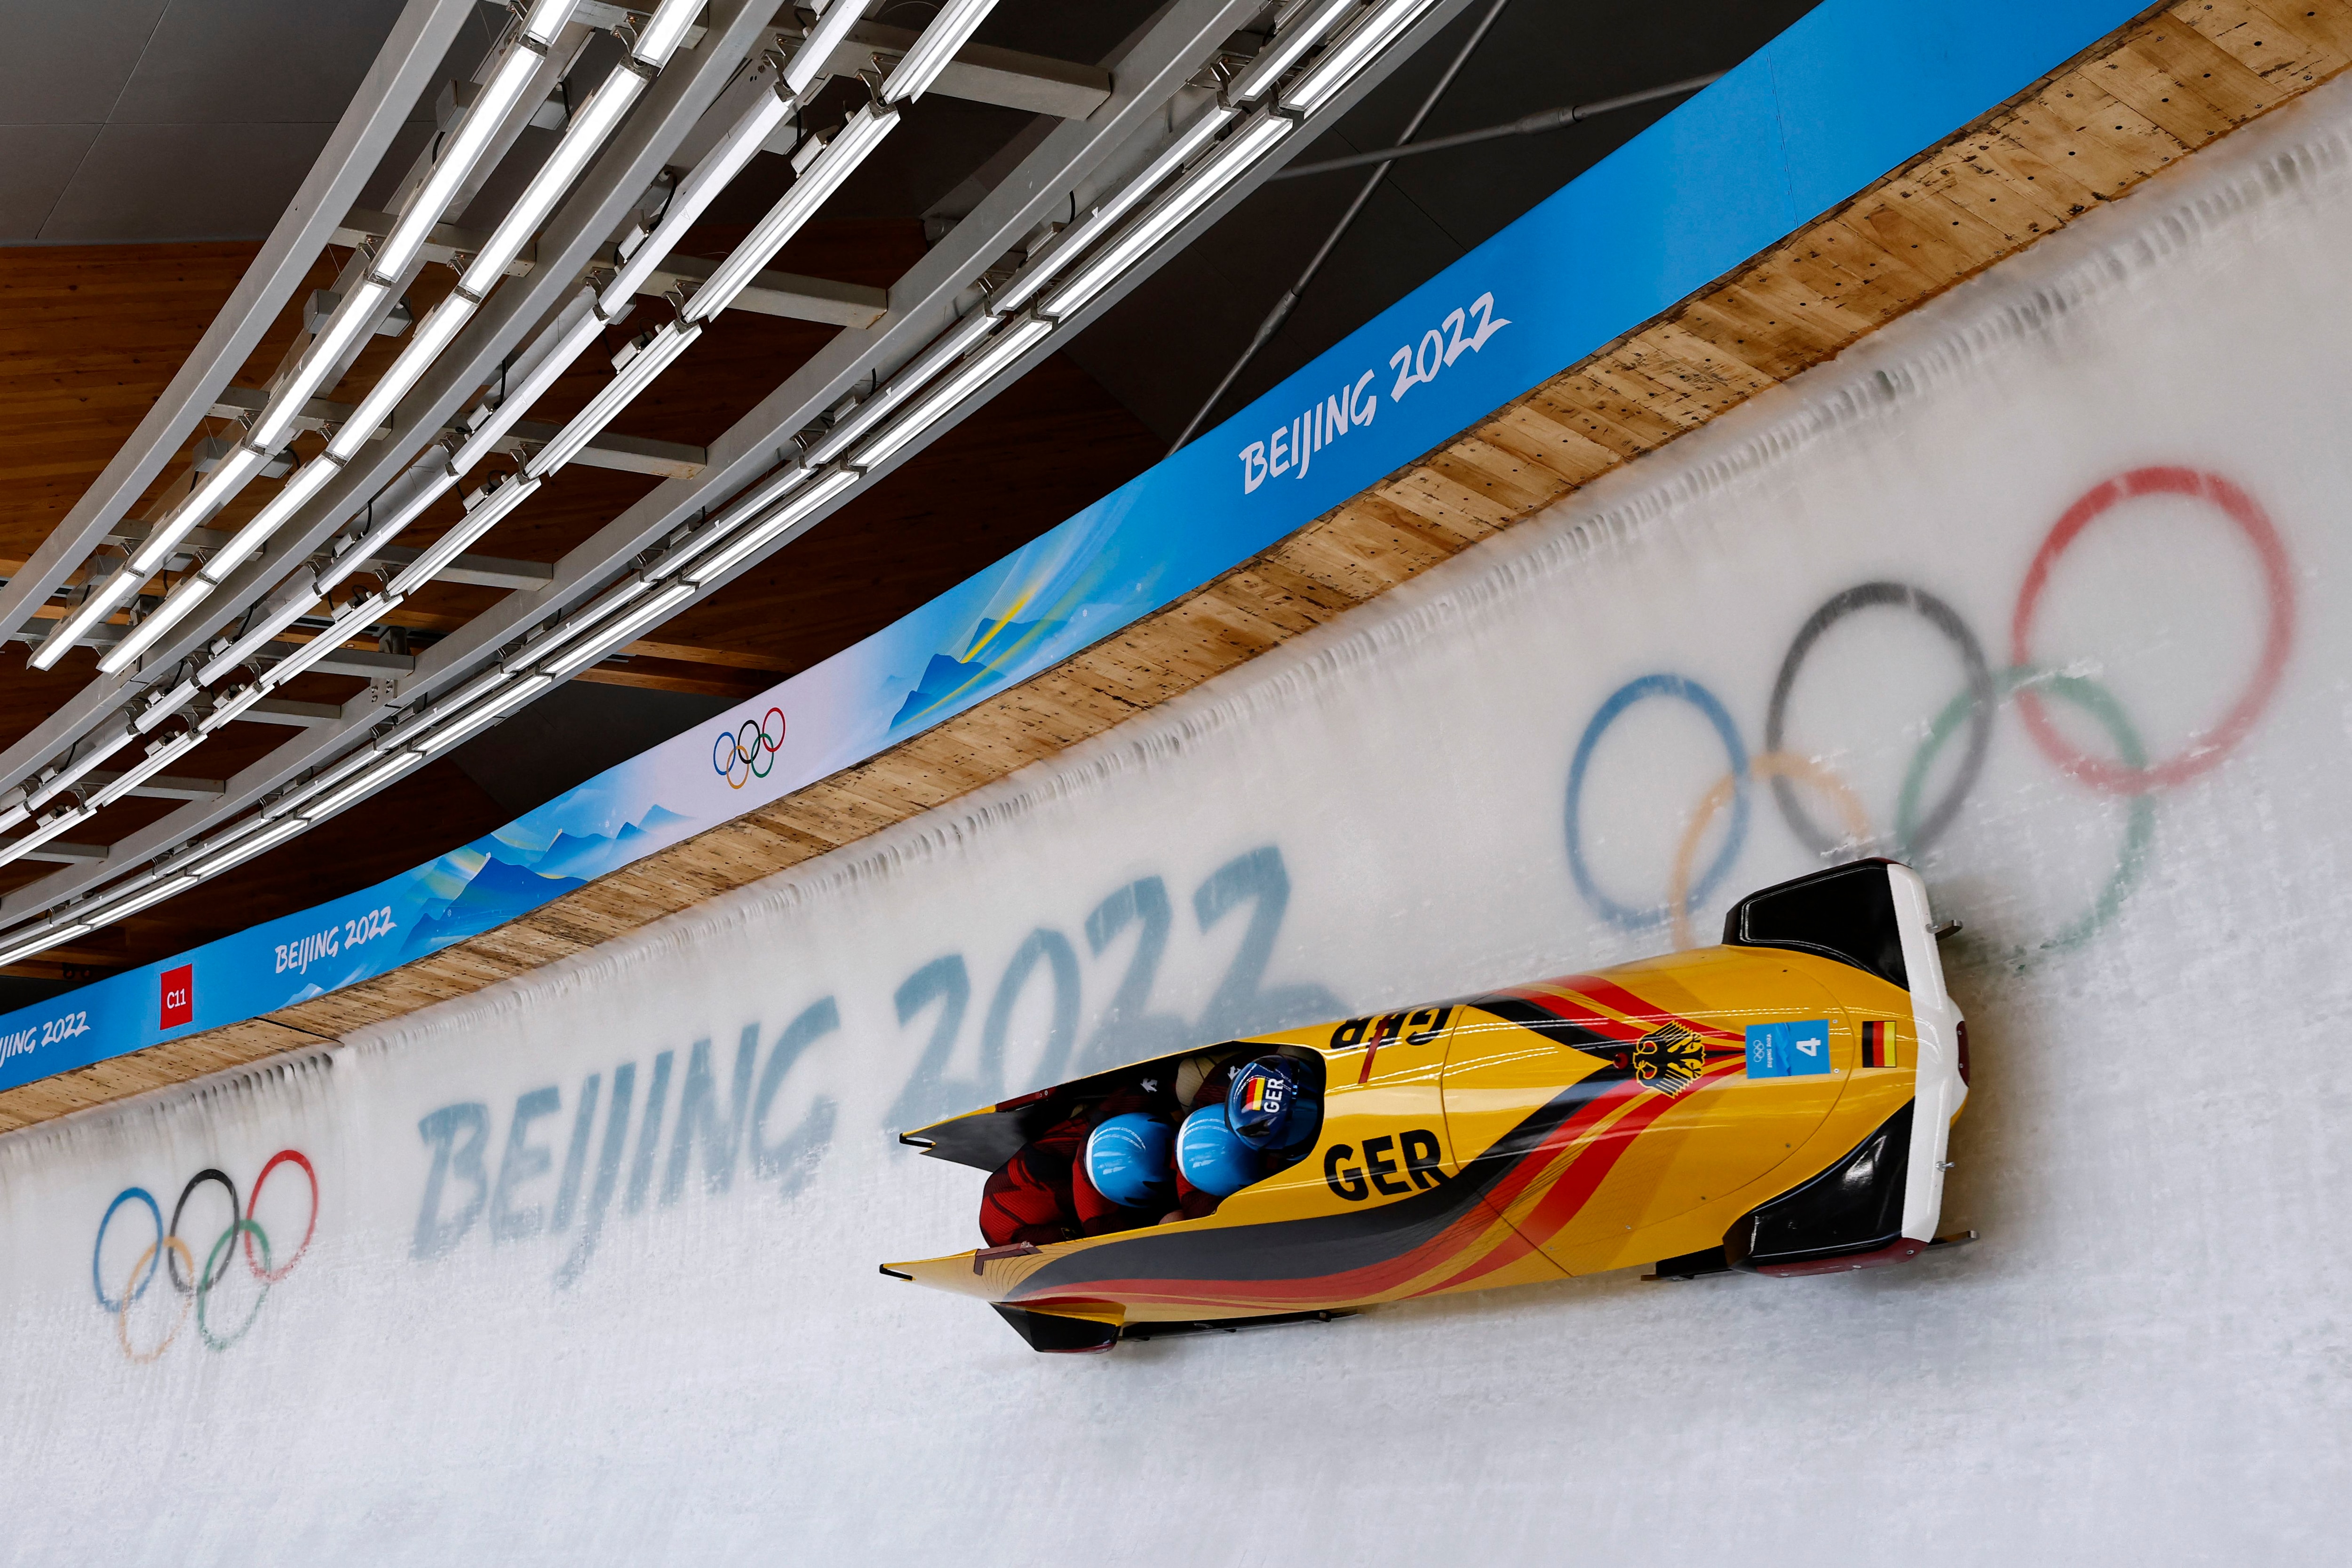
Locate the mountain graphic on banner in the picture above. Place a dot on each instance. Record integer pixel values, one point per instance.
(590, 856)
(993, 645)
(498, 892)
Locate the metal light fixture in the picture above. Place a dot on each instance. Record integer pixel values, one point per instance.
(1289, 47)
(158, 755)
(968, 378)
(353, 316)
(862, 133)
(710, 176)
(956, 343)
(630, 377)
(769, 531)
(663, 30)
(1220, 169)
(424, 345)
(558, 347)
(1067, 246)
(619, 632)
(1352, 52)
(479, 520)
(950, 28)
(592, 122)
(460, 152)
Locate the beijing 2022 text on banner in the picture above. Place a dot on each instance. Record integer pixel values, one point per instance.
(1846, 95)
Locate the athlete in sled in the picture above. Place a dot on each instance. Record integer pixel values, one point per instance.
(1779, 1104)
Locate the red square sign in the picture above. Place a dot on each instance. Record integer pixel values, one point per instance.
(179, 997)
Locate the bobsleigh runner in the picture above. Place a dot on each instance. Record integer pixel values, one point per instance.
(1777, 1105)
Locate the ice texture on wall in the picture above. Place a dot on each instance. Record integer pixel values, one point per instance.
(2040, 588)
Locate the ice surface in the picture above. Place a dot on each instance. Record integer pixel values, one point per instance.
(580, 1342)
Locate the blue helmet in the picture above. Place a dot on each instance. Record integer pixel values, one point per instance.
(1130, 1160)
(1210, 1157)
(1272, 1105)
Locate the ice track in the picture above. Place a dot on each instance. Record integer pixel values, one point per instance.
(2042, 588)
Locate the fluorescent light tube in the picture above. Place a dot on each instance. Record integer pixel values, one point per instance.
(231, 705)
(275, 618)
(466, 724)
(102, 746)
(191, 592)
(106, 596)
(1340, 63)
(122, 909)
(15, 814)
(1289, 47)
(210, 496)
(352, 318)
(632, 378)
(719, 166)
(782, 483)
(424, 344)
(453, 544)
(808, 61)
(910, 379)
(769, 531)
(41, 942)
(618, 634)
(592, 122)
(564, 343)
(864, 132)
(165, 704)
(399, 512)
(1202, 186)
(1072, 241)
(951, 28)
(17, 849)
(967, 379)
(459, 153)
(159, 754)
(339, 631)
(663, 30)
(546, 19)
(367, 783)
(588, 617)
(305, 483)
(244, 844)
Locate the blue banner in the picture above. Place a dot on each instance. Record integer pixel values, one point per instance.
(1836, 101)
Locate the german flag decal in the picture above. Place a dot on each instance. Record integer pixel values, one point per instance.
(1877, 1044)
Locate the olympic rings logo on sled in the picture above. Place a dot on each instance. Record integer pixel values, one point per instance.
(748, 751)
(170, 1258)
(2025, 682)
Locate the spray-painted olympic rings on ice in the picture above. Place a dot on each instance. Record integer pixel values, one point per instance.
(1624, 697)
(2202, 751)
(170, 1257)
(2130, 774)
(748, 751)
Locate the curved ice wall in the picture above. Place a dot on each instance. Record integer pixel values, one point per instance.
(2040, 587)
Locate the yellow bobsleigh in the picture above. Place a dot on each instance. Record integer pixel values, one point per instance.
(1779, 1104)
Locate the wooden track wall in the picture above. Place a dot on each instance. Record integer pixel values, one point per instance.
(2150, 94)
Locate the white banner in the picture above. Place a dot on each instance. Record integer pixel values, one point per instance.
(2036, 589)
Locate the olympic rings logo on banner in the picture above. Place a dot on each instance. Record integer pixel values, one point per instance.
(170, 1258)
(2025, 682)
(748, 751)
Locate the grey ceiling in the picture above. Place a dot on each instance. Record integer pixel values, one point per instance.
(176, 119)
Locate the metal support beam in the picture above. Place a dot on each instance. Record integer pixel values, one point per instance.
(595, 210)
(1035, 84)
(300, 716)
(786, 293)
(604, 197)
(164, 787)
(629, 453)
(1150, 72)
(404, 68)
(473, 570)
